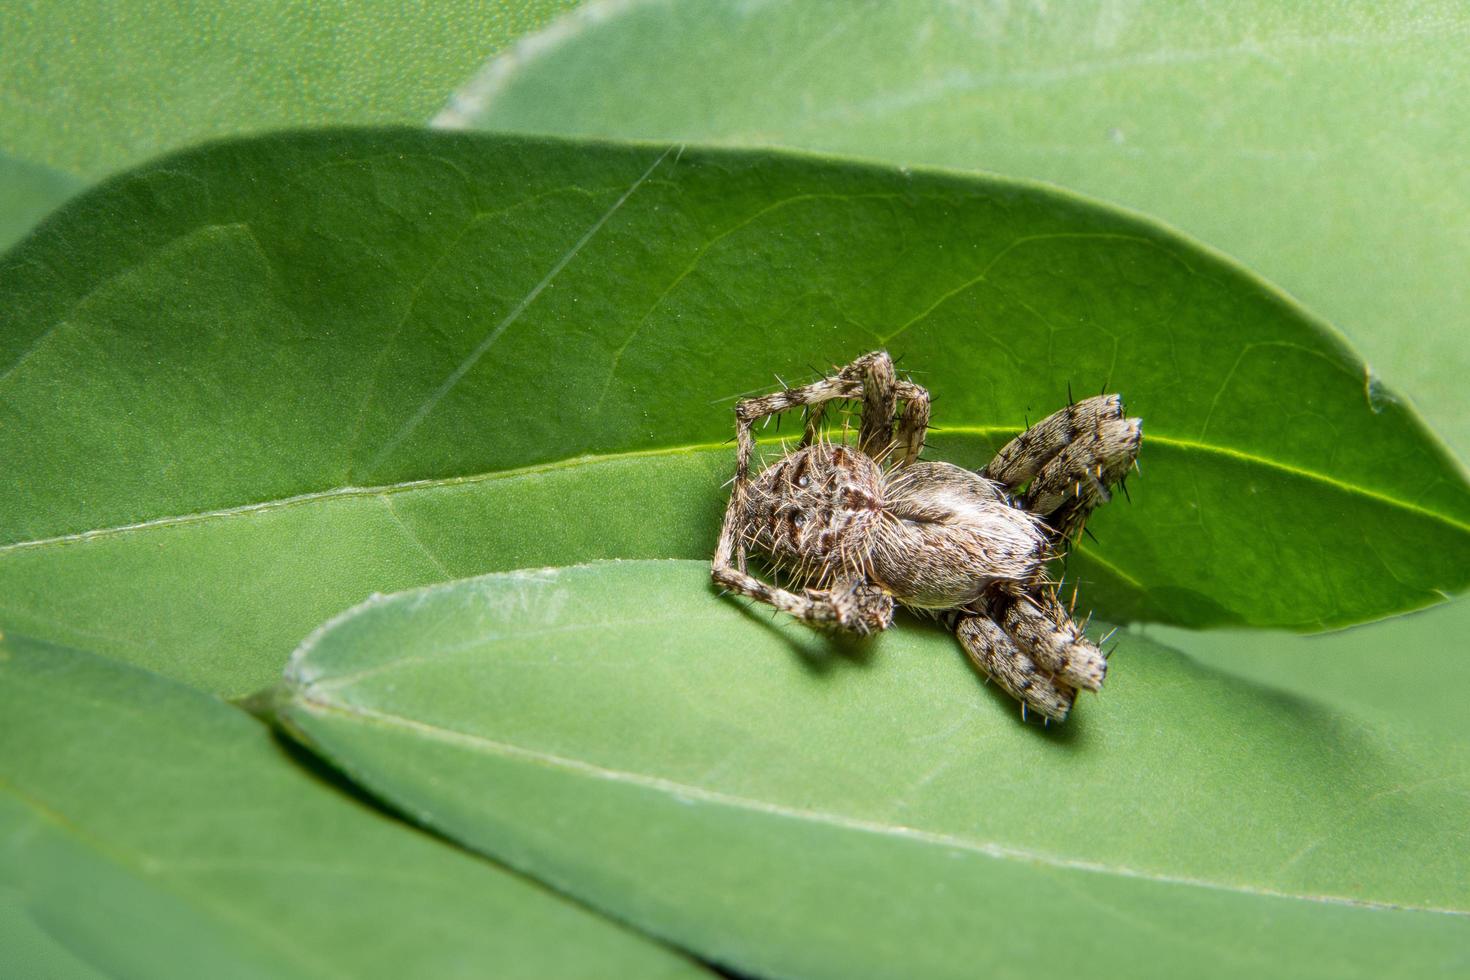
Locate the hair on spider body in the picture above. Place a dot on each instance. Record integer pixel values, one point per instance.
(851, 530)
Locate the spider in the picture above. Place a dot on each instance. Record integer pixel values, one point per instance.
(852, 530)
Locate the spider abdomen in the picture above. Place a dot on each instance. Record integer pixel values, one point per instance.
(950, 534)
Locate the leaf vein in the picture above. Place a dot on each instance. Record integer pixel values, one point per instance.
(984, 274)
(495, 333)
(590, 459)
(685, 791)
(699, 255)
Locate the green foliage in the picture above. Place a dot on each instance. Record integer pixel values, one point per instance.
(131, 81)
(870, 811)
(27, 193)
(371, 342)
(246, 386)
(1322, 144)
(158, 832)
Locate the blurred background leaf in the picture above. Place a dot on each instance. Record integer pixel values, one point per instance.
(27, 193)
(93, 87)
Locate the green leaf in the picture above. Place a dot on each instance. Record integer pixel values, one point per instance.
(150, 830)
(31, 951)
(246, 387)
(92, 87)
(1323, 145)
(1408, 667)
(27, 193)
(763, 799)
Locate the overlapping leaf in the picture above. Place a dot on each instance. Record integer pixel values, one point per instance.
(247, 386)
(1322, 145)
(149, 830)
(793, 809)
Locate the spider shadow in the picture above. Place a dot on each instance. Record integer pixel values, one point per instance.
(1071, 735)
(819, 652)
(823, 652)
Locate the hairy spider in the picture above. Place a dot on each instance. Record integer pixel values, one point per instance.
(852, 530)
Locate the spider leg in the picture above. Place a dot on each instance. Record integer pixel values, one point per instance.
(998, 656)
(882, 391)
(871, 378)
(1023, 457)
(1076, 480)
(815, 415)
(880, 401)
(913, 422)
(1042, 628)
(812, 396)
(1070, 459)
(859, 609)
(855, 606)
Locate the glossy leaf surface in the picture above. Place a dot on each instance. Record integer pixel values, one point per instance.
(149, 830)
(1321, 144)
(744, 789)
(248, 386)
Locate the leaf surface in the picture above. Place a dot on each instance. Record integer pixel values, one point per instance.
(1322, 145)
(1405, 669)
(150, 830)
(247, 386)
(27, 193)
(131, 81)
(30, 950)
(789, 808)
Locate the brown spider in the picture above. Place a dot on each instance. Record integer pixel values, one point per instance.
(853, 530)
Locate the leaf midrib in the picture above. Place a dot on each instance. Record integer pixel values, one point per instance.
(684, 791)
(592, 459)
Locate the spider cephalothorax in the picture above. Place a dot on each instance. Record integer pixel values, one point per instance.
(856, 528)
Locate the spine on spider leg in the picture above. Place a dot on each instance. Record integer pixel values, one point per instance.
(1048, 633)
(1002, 660)
(880, 400)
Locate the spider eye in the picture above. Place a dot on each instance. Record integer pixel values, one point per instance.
(798, 518)
(803, 480)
